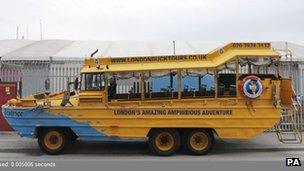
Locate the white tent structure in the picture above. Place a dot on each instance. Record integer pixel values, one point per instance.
(35, 62)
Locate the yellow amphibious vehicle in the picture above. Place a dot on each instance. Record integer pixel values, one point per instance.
(234, 92)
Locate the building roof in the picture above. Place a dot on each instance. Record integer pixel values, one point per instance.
(296, 50)
(7, 46)
(78, 50)
(82, 49)
(38, 50)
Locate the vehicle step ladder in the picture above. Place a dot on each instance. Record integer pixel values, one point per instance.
(289, 129)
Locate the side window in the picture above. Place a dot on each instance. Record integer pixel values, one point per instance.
(92, 81)
(226, 80)
(161, 84)
(258, 65)
(197, 83)
(124, 86)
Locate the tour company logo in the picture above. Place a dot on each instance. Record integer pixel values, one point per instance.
(293, 162)
(252, 86)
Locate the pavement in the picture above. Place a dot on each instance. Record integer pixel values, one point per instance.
(265, 147)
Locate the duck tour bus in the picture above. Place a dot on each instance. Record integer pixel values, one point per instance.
(172, 102)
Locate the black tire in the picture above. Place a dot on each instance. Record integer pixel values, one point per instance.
(204, 143)
(157, 141)
(53, 140)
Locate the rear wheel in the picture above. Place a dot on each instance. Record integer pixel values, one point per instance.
(53, 140)
(164, 142)
(198, 141)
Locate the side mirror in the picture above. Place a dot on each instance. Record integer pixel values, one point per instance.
(47, 84)
(76, 83)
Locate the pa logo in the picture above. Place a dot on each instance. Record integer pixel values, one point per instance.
(293, 162)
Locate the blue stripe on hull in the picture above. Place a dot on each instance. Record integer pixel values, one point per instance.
(24, 121)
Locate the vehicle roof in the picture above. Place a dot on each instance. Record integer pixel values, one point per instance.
(212, 59)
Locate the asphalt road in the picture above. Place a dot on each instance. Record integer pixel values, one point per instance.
(265, 147)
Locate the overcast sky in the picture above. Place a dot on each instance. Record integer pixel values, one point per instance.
(207, 20)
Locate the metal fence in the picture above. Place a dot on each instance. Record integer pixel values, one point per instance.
(39, 76)
(285, 121)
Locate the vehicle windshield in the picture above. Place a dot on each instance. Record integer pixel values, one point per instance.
(92, 81)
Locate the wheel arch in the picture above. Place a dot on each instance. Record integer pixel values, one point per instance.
(65, 129)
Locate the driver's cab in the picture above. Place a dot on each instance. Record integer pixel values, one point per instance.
(92, 88)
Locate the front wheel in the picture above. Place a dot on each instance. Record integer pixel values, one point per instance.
(53, 140)
(164, 142)
(198, 141)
